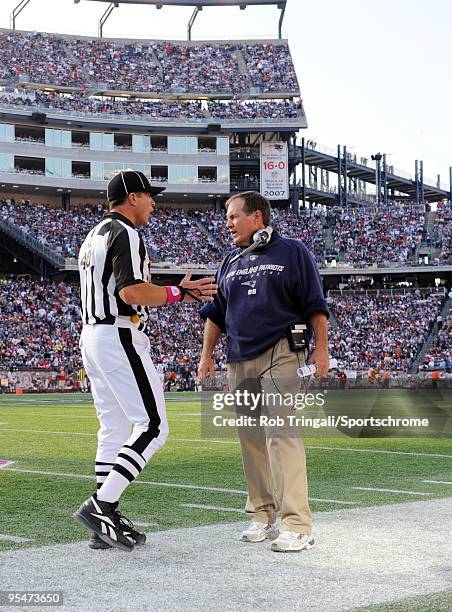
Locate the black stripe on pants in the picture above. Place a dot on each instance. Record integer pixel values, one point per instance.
(147, 395)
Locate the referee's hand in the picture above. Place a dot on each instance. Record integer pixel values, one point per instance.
(204, 289)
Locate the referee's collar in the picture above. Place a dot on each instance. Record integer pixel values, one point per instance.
(116, 215)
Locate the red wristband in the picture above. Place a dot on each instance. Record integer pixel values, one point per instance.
(173, 294)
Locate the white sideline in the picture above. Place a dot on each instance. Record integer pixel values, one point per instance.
(378, 452)
(448, 482)
(217, 508)
(202, 441)
(9, 538)
(390, 491)
(172, 485)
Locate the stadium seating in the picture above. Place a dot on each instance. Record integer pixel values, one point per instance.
(147, 66)
(40, 327)
(381, 330)
(200, 237)
(155, 109)
(383, 236)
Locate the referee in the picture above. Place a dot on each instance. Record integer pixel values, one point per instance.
(115, 295)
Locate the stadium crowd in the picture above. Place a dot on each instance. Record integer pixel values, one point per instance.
(156, 109)
(147, 66)
(381, 331)
(63, 231)
(385, 235)
(439, 354)
(256, 109)
(200, 236)
(39, 324)
(40, 327)
(270, 67)
(39, 57)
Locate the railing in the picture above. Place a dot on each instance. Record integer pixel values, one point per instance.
(146, 117)
(394, 291)
(15, 232)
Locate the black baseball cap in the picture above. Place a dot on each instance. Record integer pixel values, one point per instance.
(130, 181)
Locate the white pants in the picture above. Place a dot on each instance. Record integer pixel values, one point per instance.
(128, 396)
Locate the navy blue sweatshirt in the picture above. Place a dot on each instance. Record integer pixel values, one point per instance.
(263, 293)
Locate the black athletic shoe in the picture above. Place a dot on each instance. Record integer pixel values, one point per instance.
(128, 530)
(102, 518)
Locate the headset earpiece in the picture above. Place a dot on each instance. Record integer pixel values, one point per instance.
(263, 236)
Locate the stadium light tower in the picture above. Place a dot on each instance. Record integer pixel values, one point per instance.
(17, 10)
(197, 4)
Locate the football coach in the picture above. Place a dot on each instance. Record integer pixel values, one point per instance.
(266, 286)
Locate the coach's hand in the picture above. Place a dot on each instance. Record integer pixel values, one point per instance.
(322, 362)
(206, 368)
(204, 289)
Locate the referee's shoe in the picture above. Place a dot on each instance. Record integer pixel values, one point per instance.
(127, 528)
(102, 518)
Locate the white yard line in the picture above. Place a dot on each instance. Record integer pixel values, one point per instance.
(9, 538)
(331, 501)
(171, 485)
(141, 524)
(390, 491)
(203, 441)
(208, 507)
(46, 431)
(447, 482)
(378, 452)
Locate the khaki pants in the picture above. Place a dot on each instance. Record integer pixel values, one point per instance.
(274, 459)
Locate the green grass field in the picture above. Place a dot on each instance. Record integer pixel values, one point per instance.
(57, 434)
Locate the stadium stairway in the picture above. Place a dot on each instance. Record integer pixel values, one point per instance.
(430, 217)
(428, 343)
(75, 61)
(425, 247)
(329, 240)
(32, 244)
(243, 69)
(210, 237)
(156, 62)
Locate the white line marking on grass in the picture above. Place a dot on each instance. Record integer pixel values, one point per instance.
(205, 441)
(46, 431)
(207, 507)
(141, 524)
(71, 416)
(6, 423)
(171, 485)
(438, 481)
(383, 452)
(390, 491)
(331, 501)
(17, 539)
(5, 462)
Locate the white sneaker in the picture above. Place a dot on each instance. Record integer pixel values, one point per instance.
(258, 532)
(290, 541)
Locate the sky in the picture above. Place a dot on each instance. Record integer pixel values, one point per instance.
(375, 76)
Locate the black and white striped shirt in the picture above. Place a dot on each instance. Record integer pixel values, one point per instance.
(113, 256)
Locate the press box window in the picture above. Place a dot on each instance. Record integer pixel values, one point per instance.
(207, 174)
